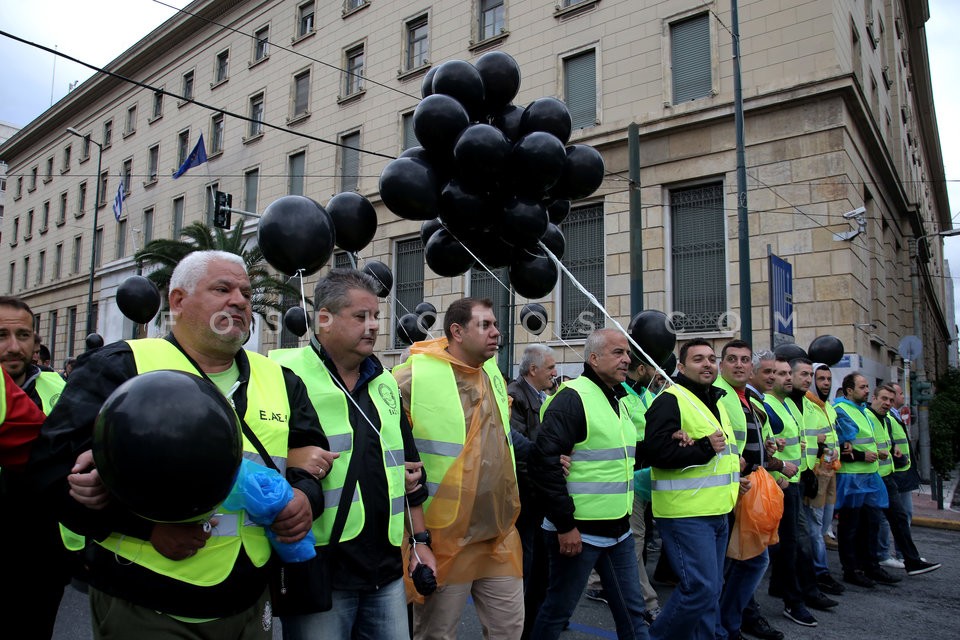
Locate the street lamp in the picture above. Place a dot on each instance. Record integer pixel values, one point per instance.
(93, 244)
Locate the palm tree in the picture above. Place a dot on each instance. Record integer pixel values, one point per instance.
(268, 289)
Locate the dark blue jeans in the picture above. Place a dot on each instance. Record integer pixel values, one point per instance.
(619, 575)
(741, 580)
(697, 548)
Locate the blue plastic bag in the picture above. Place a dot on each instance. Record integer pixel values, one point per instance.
(641, 483)
(263, 493)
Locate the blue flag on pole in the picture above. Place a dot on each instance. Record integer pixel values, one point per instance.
(118, 201)
(197, 157)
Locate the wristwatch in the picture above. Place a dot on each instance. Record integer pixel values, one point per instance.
(422, 537)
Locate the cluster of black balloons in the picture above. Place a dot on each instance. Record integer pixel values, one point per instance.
(654, 332)
(491, 179)
(826, 349)
(413, 326)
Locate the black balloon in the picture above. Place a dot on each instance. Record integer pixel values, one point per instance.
(490, 248)
(549, 115)
(533, 318)
(426, 87)
(409, 328)
(533, 275)
(410, 189)
(295, 320)
(93, 341)
(670, 364)
(438, 121)
(295, 233)
(429, 228)
(354, 219)
(508, 121)
(501, 79)
(463, 212)
(167, 466)
(524, 221)
(790, 351)
(582, 173)
(138, 299)
(460, 80)
(553, 239)
(558, 210)
(381, 274)
(536, 163)
(826, 349)
(655, 334)
(427, 314)
(480, 154)
(446, 256)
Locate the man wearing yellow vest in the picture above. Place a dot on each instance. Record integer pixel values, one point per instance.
(694, 487)
(159, 580)
(30, 544)
(889, 441)
(356, 398)
(904, 471)
(457, 403)
(588, 512)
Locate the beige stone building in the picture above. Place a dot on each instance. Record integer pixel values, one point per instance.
(839, 117)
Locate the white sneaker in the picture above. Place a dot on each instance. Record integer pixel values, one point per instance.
(892, 563)
(830, 534)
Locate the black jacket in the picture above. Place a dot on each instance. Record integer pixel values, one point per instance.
(564, 425)
(663, 420)
(68, 431)
(524, 427)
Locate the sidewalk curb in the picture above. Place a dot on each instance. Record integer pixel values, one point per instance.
(936, 523)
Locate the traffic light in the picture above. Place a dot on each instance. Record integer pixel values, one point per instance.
(222, 202)
(923, 392)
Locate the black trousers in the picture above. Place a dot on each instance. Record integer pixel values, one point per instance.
(857, 538)
(900, 524)
(792, 574)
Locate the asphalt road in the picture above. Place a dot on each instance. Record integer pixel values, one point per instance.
(926, 607)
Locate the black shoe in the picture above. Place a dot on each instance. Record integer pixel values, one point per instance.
(800, 615)
(820, 602)
(597, 594)
(858, 578)
(921, 566)
(828, 585)
(775, 591)
(880, 575)
(760, 628)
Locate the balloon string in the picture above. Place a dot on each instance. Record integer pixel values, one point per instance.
(387, 297)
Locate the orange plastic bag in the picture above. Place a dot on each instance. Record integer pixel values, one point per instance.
(757, 518)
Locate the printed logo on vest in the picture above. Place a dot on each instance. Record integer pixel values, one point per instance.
(498, 386)
(272, 416)
(388, 397)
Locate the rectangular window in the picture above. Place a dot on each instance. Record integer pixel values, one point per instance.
(33, 179)
(350, 162)
(256, 115)
(584, 257)
(418, 42)
(296, 165)
(157, 104)
(305, 19)
(66, 159)
(177, 217)
(48, 173)
(341, 260)
(147, 225)
(41, 266)
(62, 213)
(354, 4)
(183, 146)
(71, 330)
(26, 272)
(186, 89)
(153, 163)
(52, 344)
(210, 192)
(216, 133)
(407, 279)
(107, 133)
(13, 277)
(77, 254)
(491, 18)
(261, 43)
(408, 138)
(131, 123)
(301, 93)
(103, 188)
(698, 257)
(16, 232)
(127, 175)
(45, 217)
(690, 59)
(353, 77)
(98, 246)
(19, 191)
(121, 238)
(58, 261)
(222, 67)
(580, 88)
(81, 199)
(28, 231)
(251, 187)
(85, 148)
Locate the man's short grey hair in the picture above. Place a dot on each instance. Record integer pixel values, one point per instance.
(333, 290)
(194, 266)
(534, 356)
(596, 341)
(760, 356)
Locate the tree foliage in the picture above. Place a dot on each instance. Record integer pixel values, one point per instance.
(945, 423)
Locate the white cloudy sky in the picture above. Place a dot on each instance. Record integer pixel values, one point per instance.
(96, 31)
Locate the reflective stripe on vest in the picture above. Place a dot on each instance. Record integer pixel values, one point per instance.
(709, 489)
(600, 482)
(882, 436)
(863, 442)
(734, 408)
(267, 393)
(439, 424)
(331, 406)
(3, 397)
(900, 439)
(791, 433)
(815, 424)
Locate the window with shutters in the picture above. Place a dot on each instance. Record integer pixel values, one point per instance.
(153, 164)
(580, 88)
(57, 261)
(157, 106)
(77, 254)
(583, 230)
(251, 188)
(126, 174)
(296, 166)
(261, 43)
(341, 260)
(147, 225)
(210, 193)
(484, 285)
(417, 42)
(256, 116)
(491, 19)
(221, 69)
(353, 71)
(121, 238)
(216, 134)
(183, 146)
(690, 58)
(186, 87)
(304, 19)
(177, 217)
(698, 258)
(350, 161)
(407, 281)
(408, 139)
(301, 95)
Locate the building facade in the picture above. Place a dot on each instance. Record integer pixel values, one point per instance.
(839, 117)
